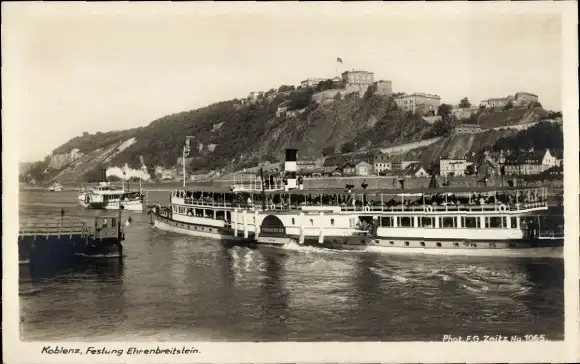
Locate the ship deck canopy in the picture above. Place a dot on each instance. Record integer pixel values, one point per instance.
(415, 192)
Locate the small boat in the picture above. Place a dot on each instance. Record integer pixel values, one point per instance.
(101, 188)
(55, 187)
(106, 196)
(131, 201)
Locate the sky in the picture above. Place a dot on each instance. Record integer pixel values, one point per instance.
(95, 68)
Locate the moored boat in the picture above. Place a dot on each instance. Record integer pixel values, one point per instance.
(101, 188)
(113, 200)
(55, 187)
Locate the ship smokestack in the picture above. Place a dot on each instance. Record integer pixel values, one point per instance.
(290, 169)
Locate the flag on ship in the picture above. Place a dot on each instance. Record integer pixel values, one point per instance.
(339, 60)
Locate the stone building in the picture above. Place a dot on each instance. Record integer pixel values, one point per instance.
(453, 167)
(525, 98)
(418, 102)
(357, 81)
(384, 88)
(311, 82)
(531, 162)
(467, 129)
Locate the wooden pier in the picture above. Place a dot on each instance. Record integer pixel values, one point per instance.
(45, 228)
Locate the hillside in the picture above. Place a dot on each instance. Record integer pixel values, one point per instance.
(231, 135)
(496, 118)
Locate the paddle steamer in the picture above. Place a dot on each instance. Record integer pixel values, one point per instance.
(465, 221)
(55, 187)
(101, 188)
(106, 196)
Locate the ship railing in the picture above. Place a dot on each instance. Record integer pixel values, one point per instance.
(551, 234)
(257, 205)
(448, 207)
(254, 184)
(55, 228)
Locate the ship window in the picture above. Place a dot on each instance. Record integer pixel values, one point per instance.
(311, 222)
(293, 223)
(422, 243)
(113, 222)
(455, 244)
(512, 245)
(387, 221)
(470, 222)
(406, 243)
(448, 222)
(405, 221)
(492, 245)
(391, 242)
(494, 222)
(439, 244)
(331, 221)
(514, 222)
(426, 222)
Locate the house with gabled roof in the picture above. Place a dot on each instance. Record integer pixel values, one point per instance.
(415, 170)
(530, 162)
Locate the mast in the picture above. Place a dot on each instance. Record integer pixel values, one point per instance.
(183, 166)
(263, 191)
(185, 153)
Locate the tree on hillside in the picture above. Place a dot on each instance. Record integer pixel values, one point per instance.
(509, 105)
(285, 88)
(472, 119)
(443, 127)
(324, 85)
(328, 151)
(300, 99)
(348, 147)
(444, 110)
(464, 103)
(534, 104)
(540, 136)
(370, 91)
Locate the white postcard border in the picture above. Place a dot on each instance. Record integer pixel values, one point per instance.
(565, 351)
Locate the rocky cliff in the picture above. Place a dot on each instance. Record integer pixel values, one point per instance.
(233, 134)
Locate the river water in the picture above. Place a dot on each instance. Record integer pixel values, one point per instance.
(172, 287)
